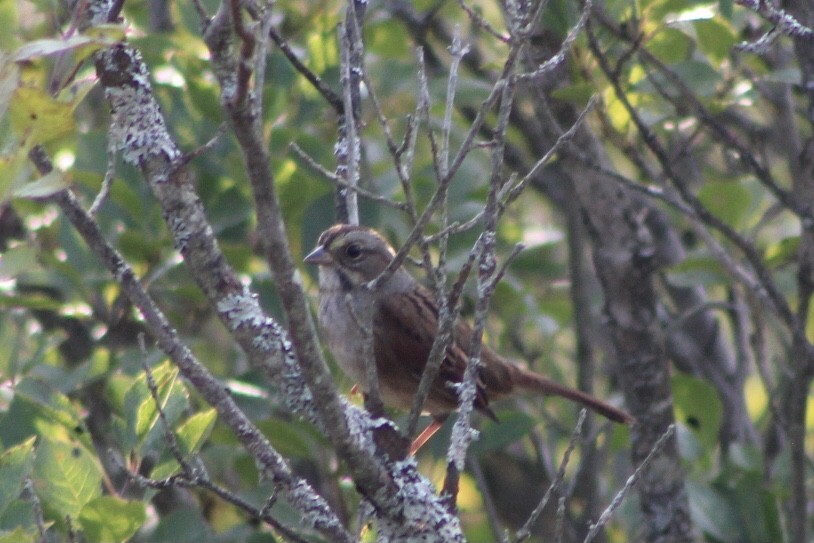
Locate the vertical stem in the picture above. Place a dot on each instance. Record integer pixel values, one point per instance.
(348, 145)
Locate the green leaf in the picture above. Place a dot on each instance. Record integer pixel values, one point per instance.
(17, 260)
(139, 404)
(66, 477)
(183, 525)
(39, 408)
(9, 79)
(715, 515)
(191, 436)
(10, 18)
(670, 45)
(698, 76)
(698, 407)
(715, 38)
(195, 430)
(15, 465)
(512, 426)
(745, 457)
(757, 507)
(95, 38)
(20, 535)
(789, 75)
(658, 9)
(725, 7)
(729, 201)
(698, 271)
(107, 519)
(15, 169)
(36, 117)
(52, 182)
(288, 439)
(577, 93)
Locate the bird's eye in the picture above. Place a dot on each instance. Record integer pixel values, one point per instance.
(353, 251)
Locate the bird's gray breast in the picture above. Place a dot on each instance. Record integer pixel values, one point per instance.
(345, 318)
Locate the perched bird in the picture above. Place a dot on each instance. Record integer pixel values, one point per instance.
(403, 318)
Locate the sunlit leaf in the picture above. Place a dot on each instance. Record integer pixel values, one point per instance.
(15, 465)
(107, 519)
(66, 476)
(36, 117)
(9, 19)
(195, 430)
(141, 410)
(39, 407)
(20, 534)
(782, 252)
(9, 77)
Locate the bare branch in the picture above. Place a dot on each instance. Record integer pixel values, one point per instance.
(525, 531)
(631, 482)
(782, 20)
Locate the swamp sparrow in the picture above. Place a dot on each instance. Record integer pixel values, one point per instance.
(402, 320)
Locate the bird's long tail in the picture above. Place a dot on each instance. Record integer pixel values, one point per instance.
(534, 382)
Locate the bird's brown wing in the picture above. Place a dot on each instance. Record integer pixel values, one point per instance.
(404, 329)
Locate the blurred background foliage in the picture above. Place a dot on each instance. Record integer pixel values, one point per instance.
(74, 403)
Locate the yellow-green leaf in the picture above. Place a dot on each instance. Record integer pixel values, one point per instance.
(66, 476)
(15, 465)
(107, 519)
(20, 535)
(36, 117)
(195, 430)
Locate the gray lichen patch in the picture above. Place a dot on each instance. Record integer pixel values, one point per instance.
(137, 127)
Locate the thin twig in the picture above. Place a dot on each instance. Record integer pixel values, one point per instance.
(630, 483)
(480, 22)
(559, 57)
(262, 52)
(348, 147)
(525, 531)
(333, 99)
(488, 501)
(107, 182)
(458, 49)
(781, 19)
(36, 508)
(199, 479)
(247, 49)
(169, 435)
(309, 160)
(201, 149)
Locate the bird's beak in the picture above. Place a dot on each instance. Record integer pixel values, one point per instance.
(319, 256)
